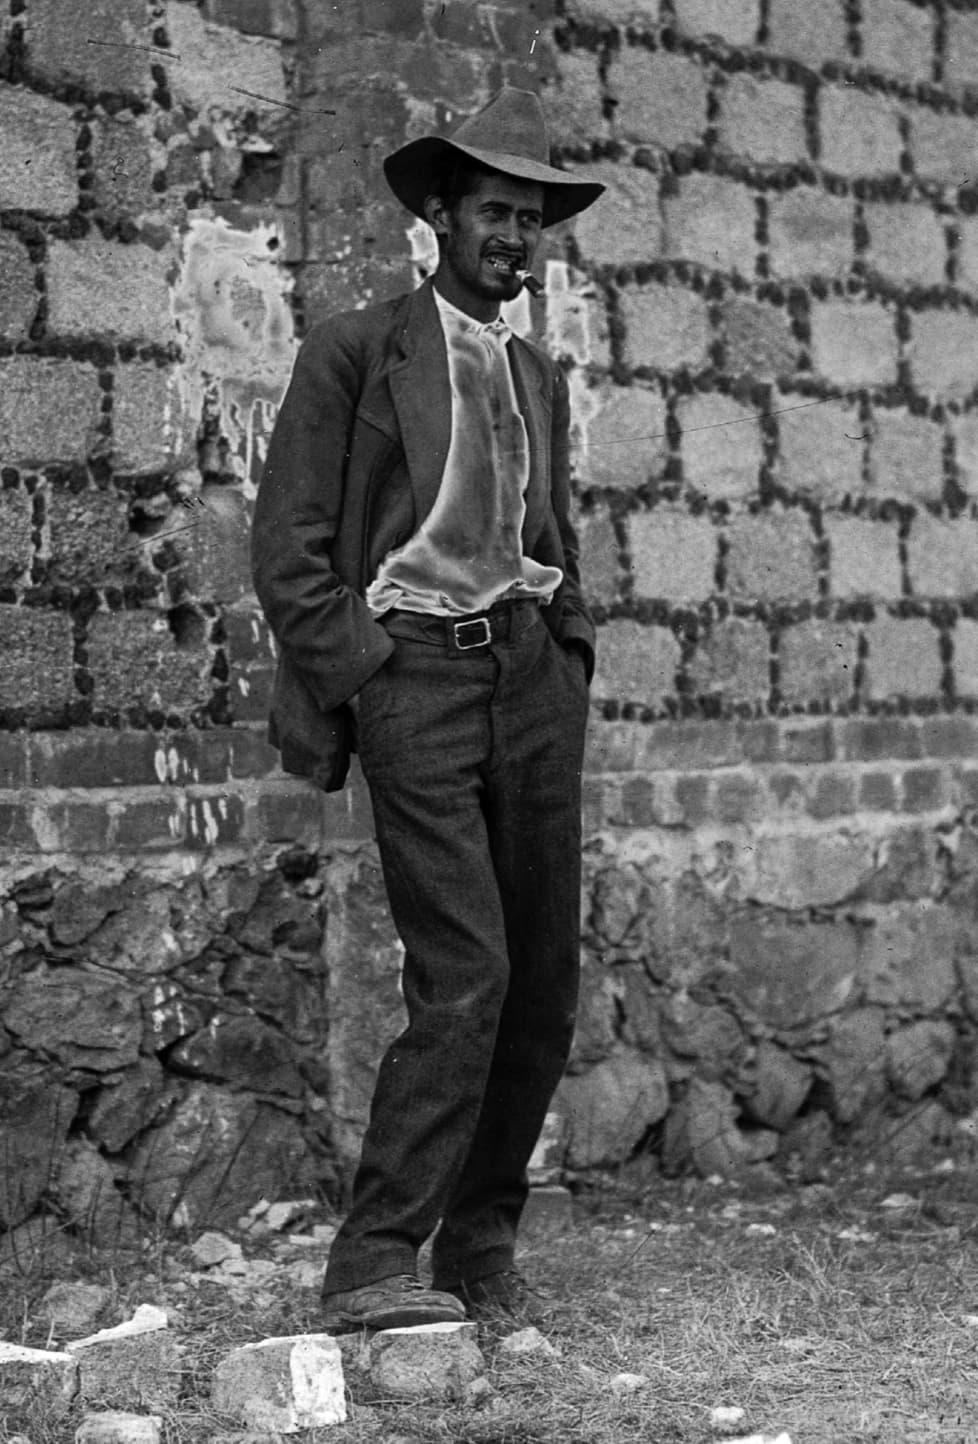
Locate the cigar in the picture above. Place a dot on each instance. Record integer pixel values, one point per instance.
(527, 279)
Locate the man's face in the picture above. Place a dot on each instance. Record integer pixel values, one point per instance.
(487, 236)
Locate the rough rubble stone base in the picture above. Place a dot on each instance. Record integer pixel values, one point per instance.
(118, 1428)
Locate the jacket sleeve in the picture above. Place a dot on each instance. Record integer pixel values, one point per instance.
(323, 626)
(576, 625)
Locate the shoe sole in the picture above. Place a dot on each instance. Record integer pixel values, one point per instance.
(407, 1316)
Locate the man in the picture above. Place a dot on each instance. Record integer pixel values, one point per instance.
(415, 558)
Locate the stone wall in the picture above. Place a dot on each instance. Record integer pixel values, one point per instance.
(770, 328)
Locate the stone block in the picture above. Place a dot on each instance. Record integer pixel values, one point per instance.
(917, 1057)
(859, 133)
(864, 557)
(38, 1378)
(853, 1063)
(242, 1051)
(665, 327)
(791, 972)
(108, 52)
(778, 1086)
(134, 659)
(906, 457)
(721, 446)
(573, 101)
(601, 569)
(854, 343)
(88, 536)
(636, 664)
(49, 410)
(810, 233)
(35, 1115)
(812, 33)
(820, 448)
(82, 1019)
(72, 1308)
(214, 56)
(965, 658)
(942, 556)
(150, 430)
(965, 231)
(549, 1210)
(125, 157)
(38, 671)
(701, 1130)
(733, 662)
(661, 98)
(763, 120)
(430, 1361)
(673, 555)
(942, 146)
(611, 1107)
(283, 1385)
(712, 221)
(899, 39)
(624, 444)
(944, 352)
(734, 21)
(276, 18)
(217, 1152)
(965, 432)
(895, 941)
(771, 556)
(16, 534)
(18, 293)
(635, 236)
(904, 659)
(210, 537)
(37, 166)
(759, 340)
(102, 288)
(85, 1188)
(818, 662)
(906, 243)
(114, 1427)
(961, 50)
(808, 869)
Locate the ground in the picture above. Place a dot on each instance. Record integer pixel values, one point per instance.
(841, 1310)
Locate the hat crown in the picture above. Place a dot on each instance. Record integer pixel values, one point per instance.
(512, 123)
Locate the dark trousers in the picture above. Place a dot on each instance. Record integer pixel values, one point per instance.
(473, 760)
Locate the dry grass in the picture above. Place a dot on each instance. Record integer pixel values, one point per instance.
(817, 1310)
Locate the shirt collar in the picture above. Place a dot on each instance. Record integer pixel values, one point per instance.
(451, 315)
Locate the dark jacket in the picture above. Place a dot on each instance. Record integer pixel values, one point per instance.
(353, 468)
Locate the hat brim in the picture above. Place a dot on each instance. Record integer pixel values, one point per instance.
(411, 173)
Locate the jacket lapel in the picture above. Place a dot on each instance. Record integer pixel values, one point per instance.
(534, 403)
(422, 397)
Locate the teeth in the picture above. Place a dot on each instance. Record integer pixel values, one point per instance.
(498, 263)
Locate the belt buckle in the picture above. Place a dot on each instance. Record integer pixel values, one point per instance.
(483, 640)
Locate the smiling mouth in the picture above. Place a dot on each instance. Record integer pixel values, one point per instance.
(506, 265)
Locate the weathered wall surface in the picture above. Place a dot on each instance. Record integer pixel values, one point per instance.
(770, 327)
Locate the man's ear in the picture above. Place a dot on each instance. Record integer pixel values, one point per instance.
(437, 214)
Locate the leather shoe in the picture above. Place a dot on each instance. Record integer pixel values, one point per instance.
(502, 1299)
(399, 1302)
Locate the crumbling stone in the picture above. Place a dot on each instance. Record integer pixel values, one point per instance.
(36, 1376)
(430, 1361)
(72, 1308)
(136, 1364)
(118, 1428)
(283, 1384)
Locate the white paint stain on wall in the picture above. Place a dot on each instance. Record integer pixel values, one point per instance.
(230, 303)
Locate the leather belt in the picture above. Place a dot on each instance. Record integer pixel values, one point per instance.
(472, 633)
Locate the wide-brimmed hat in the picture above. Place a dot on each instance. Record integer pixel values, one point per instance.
(508, 135)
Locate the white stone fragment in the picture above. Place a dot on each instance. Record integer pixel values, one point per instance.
(279, 1215)
(628, 1383)
(145, 1320)
(36, 1375)
(429, 1361)
(118, 1428)
(214, 1248)
(726, 1416)
(761, 1439)
(284, 1384)
(527, 1341)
